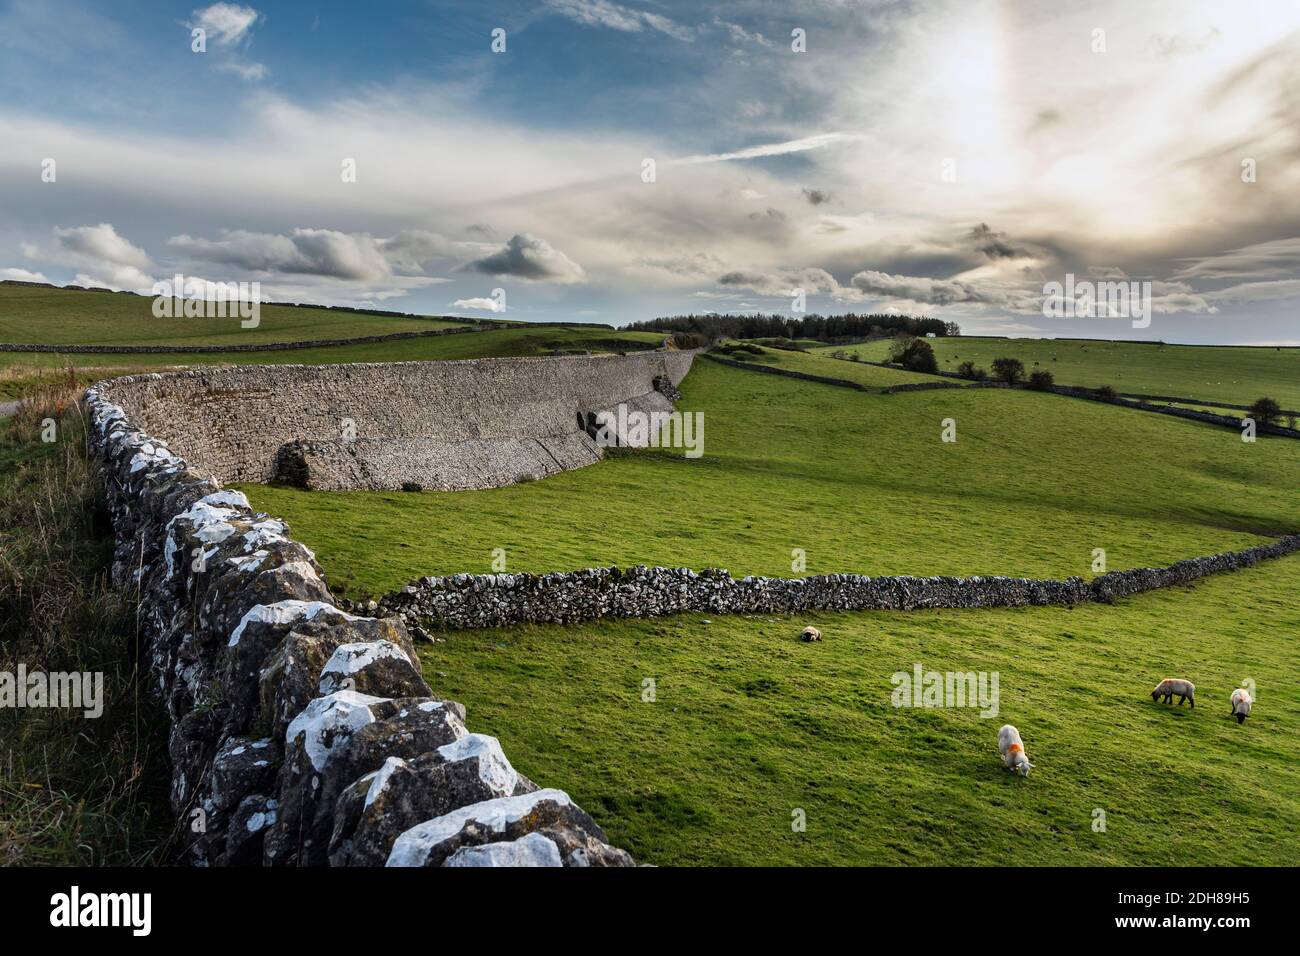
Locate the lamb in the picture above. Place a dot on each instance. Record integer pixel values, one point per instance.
(1170, 686)
(811, 633)
(1241, 704)
(1013, 751)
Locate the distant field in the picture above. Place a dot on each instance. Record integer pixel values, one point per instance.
(19, 369)
(861, 482)
(818, 363)
(30, 314)
(749, 724)
(1237, 375)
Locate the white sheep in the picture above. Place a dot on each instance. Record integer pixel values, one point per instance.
(1170, 686)
(1241, 704)
(1013, 751)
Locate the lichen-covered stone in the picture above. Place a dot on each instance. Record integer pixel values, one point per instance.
(494, 821)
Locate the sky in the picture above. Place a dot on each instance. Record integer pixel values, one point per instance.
(621, 160)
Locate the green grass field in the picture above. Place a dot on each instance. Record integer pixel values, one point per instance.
(1209, 373)
(32, 314)
(861, 482)
(750, 724)
(818, 363)
(19, 371)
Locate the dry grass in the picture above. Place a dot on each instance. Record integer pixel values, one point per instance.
(73, 790)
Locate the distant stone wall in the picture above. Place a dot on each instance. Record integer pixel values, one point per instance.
(237, 347)
(300, 735)
(497, 600)
(442, 425)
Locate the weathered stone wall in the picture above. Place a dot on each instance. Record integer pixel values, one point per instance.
(495, 600)
(443, 425)
(301, 734)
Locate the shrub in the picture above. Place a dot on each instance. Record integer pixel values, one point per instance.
(1265, 411)
(1040, 379)
(1105, 393)
(412, 486)
(1009, 370)
(968, 370)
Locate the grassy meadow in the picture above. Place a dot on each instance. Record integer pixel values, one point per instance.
(34, 314)
(749, 724)
(1209, 373)
(861, 482)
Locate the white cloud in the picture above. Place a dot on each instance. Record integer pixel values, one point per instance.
(482, 304)
(226, 24)
(229, 27)
(771, 149)
(613, 16)
(22, 275)
(105, 258)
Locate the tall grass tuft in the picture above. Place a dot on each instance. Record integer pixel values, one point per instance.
(73, 790)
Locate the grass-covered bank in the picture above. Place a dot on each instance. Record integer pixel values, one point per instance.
(750, 724)
(1211, 373)
(73, 790)
(861, 482)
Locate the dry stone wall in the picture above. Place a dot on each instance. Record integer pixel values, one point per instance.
(441, 425)
(496, 600)
(300, 734)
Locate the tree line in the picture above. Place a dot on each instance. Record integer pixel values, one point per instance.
(823, 328)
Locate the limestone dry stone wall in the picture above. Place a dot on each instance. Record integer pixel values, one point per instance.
(496, 600)
(301, 734)
(441, 425)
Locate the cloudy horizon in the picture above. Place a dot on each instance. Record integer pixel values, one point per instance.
(622, 160)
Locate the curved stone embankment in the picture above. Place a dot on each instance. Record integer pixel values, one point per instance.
(301, 734)
(498, 600)
(480, 423)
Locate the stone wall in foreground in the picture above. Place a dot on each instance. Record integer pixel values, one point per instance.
(496, 600)
(442, 425)
(301, 735)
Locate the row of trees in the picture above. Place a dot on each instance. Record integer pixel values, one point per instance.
(823, 328)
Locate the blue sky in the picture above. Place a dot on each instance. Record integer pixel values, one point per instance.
(930, 156)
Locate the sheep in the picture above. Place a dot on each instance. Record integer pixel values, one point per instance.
(811, 633)
(1241, 704)
(1013, 751)
(1170, 686)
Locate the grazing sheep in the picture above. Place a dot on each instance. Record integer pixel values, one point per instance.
(1241, 704)
(811, 633)
(1170, 686)
(1013, 751)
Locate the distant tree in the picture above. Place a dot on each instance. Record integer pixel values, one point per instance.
(967, 369)
(1105, 393)
(1040, 379)
(951, 328)
(1265, 411)
(1009, 370)
(913, 353)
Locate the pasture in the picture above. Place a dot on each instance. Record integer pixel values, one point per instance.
(1234, 374)
(859, 481)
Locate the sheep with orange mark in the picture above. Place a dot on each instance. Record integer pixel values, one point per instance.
(1170, 687)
